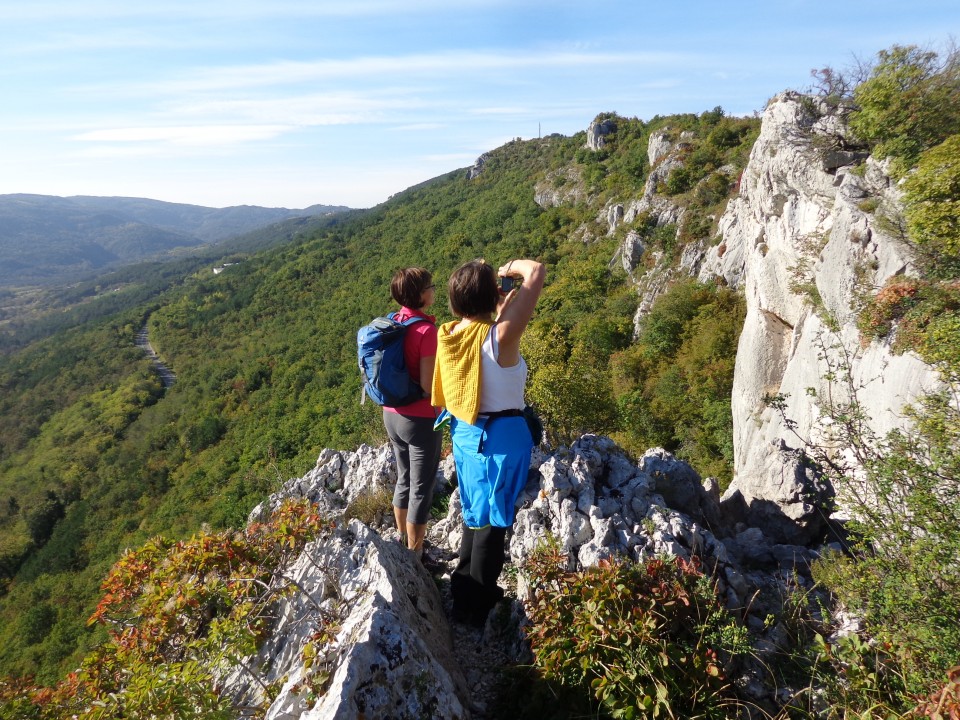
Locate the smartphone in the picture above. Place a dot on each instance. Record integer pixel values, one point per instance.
(507, 284)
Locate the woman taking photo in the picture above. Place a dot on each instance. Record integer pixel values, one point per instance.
(479, 379)
(410, 427)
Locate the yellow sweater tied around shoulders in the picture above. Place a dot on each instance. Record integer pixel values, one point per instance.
(456, 379)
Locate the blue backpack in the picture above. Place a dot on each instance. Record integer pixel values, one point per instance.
(380, 355)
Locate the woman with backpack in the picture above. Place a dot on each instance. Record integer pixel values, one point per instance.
(410, 427)
(479, 379)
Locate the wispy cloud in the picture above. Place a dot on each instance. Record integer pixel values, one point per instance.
(325, 100)
(99, 41)
(43, 10)
(203, 135)
(306, 109)
(407, 66)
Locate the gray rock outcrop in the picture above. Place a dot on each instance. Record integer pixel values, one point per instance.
(365, 633)
(390, 656)
(476, 169)
(391, 653)
(664, 155)
(598, 130)
(560, 187)
(629, 253)
(803, 246)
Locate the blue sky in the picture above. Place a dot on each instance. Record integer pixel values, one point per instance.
(290, 103)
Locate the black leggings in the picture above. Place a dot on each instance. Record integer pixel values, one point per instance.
(474, 582)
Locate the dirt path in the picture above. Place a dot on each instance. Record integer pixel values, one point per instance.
(482, 654)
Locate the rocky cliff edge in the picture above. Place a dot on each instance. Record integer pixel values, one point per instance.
(810, 234)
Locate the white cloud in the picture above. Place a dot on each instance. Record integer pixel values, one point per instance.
(459, 64)
(203, 135)
(307, 109)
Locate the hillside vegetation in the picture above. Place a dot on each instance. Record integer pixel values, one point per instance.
(95, 456)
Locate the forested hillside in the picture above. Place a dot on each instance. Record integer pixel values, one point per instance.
(97, 457)
(28, 314)
(48, 240)
(846, 213)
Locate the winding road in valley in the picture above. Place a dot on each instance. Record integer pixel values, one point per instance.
(167, 376)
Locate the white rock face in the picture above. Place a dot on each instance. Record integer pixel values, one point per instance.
(560, 187)
(658, 147)
(477, 168)
(652, 281)
(387, 650)
(597, 131)
(392, 654)
(797, 237)
(630, 252)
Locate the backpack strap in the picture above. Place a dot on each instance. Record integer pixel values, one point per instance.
(409, 321)
(412, 320)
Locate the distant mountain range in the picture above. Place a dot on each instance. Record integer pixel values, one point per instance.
(46, 239)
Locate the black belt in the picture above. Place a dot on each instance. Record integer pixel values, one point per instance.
(498, 414)
(502, 413)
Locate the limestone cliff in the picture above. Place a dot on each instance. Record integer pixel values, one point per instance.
(812, 231)
(808, 235)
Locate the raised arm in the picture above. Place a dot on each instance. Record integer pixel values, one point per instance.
(518, 306)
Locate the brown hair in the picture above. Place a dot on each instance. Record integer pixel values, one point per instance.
(472, 290)
(408, 285)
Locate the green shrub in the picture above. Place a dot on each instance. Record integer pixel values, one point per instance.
(649, 639)
(179, 612)
(856, 678)
(908, 104)
(673, 384)
(932, 207)
(570, 388)
(901, 490)
(878, 316)
(920, 314)
(679, 180)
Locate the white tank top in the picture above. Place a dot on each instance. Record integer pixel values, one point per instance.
(500, 388)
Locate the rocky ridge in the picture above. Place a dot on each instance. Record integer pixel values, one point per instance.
(394, 653)
(804, 240)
